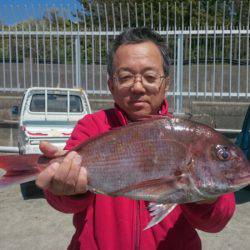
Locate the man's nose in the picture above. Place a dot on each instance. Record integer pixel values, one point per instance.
(138, 84)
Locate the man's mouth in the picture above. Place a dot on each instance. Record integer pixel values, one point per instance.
(138, 101)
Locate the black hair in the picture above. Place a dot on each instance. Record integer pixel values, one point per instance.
(139, 35)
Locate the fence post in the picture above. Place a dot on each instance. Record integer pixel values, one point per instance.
(179, 76)
(78, 61)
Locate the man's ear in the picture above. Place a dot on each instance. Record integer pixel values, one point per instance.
(111, 85)
(167, 83)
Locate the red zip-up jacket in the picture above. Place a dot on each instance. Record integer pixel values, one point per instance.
(108, 223)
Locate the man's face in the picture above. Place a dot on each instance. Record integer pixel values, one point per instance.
(143, 96)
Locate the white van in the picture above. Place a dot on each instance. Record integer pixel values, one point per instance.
(48, 114)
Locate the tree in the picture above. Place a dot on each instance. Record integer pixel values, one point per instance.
(202, 10)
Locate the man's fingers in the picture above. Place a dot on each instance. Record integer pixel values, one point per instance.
(66, 178)
(50, 151)
(71, 179)
(82, 181)
(45, 178)
(60, 177)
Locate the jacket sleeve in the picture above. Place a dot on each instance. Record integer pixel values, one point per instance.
(69, 204)
(210, 217)
(84, 129)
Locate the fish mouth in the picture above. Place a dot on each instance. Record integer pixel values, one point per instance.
(242, 182)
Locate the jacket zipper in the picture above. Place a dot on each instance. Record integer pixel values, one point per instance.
(137, 225)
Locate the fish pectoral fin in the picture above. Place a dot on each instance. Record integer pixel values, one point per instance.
(153, 188)
(158, 212)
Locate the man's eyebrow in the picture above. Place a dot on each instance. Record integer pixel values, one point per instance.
(155, 69)
(124, 69)
(132, 71)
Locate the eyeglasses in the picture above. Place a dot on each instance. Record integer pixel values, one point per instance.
(150, 81)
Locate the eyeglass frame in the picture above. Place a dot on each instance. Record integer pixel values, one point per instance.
(141, 80)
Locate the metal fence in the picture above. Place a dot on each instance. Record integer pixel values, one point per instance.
(67, 46)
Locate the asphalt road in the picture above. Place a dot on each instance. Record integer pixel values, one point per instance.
(33, 224)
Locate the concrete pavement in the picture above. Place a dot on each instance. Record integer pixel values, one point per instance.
(33, 224)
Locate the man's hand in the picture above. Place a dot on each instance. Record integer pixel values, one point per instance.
(66, 178)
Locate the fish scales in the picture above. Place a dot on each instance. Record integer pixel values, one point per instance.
(161, 160)
(166, 161)
(131, 161)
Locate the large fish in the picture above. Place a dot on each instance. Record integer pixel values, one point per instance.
(164, 161)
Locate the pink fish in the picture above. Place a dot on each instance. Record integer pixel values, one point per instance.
(164, 161)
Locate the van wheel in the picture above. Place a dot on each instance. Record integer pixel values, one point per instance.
(30, 190)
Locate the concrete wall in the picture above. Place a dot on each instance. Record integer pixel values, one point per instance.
(95, 77)
(9, 100)
(219, 114)
(227, 115)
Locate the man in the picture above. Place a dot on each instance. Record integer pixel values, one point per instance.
(138, 79)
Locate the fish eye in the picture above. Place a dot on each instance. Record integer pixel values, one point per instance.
(222, 153)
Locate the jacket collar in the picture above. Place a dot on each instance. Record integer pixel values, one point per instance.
(123, 119)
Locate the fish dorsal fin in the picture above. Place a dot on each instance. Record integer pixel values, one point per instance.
(144, 120)
(158, 212)
(153, 117)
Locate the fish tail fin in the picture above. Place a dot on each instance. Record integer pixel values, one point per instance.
(15, 169)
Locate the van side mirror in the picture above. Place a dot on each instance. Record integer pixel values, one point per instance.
(15, 110)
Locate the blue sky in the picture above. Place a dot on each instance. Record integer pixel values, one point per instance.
(13, 11)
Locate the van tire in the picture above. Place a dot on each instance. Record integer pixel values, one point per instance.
(30, 190)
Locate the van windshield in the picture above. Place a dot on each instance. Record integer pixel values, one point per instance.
(56, 103)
